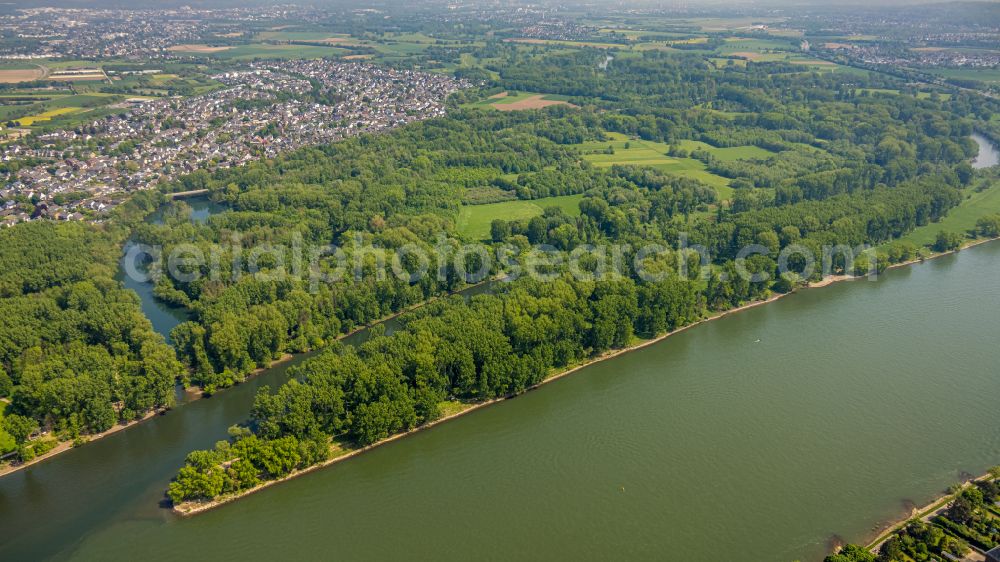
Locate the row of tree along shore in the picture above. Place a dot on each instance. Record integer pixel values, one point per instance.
(292, 421)
(963, 524)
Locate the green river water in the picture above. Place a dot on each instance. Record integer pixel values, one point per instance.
(763, 436)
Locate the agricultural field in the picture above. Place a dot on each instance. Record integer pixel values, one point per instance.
(162, 84)
(732, 24)
(76, 73)
(59, 71)
(474, 220)
(64, 110)
(737, 44)
(790, 33)
(260, 50)
(637, 34)
(409, 38)
(566, 43)
(63, 64)
(988, 75)
(826, 66)
(47, 116)
(759, 50)
(308, 36)
(198, 48)
(15, 72)
(399, 48)
(515, 101)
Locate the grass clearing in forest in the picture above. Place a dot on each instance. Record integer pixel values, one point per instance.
(962, 218)
(722, 63)
(885, 91)
(474, 220)
(654, 154)
(728, 154)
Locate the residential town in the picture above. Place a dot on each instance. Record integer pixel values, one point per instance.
(894, 55)
(39, 33)
(266, 108)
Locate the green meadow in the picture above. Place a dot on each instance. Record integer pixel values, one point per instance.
(474, 220)
(961, 219)
(654, 155)
(737, 44)
(989, 75)
(886, 91)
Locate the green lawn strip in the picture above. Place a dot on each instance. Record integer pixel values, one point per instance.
(474, 220)
(991, 75)
(961, 219)
(653, 154)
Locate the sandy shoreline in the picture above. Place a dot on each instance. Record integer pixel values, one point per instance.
(194, 508)
(923, 513)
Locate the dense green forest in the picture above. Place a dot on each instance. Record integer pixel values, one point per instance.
(77, 355)
(494, 345)
(836, 168)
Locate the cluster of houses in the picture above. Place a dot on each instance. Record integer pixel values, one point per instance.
(894, 55)
(91, 32)
(559, 30)
(266, 108)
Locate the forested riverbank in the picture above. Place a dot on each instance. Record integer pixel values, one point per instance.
(678, 424)
(77, 356)
(346, 446)
(958, 523)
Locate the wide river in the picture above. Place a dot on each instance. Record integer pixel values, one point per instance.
(762, 436)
